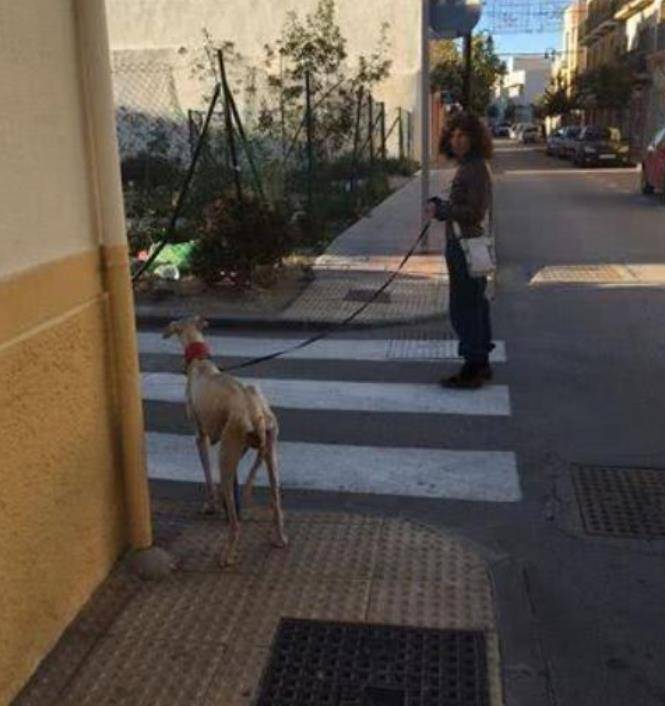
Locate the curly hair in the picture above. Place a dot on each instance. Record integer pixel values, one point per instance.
(479, 136)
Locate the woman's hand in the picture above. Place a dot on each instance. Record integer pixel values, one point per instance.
(437, 208)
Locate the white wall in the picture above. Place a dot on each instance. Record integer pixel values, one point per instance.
(176, 25)
(44, 188)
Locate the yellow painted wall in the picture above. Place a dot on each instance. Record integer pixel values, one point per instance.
(63, 512)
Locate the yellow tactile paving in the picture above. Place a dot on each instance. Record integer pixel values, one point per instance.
(203, 636)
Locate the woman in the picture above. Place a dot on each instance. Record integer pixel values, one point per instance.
(468, 141)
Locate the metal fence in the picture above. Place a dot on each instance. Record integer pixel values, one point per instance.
(148, 113)
(307, 166)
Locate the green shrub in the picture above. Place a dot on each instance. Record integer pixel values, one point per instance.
(234, 239)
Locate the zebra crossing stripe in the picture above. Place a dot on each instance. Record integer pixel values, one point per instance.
(486, 476)
(327, 349)
(416, 398)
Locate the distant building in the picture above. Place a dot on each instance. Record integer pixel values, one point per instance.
(572, 59)
(629, 33)
(525, 81)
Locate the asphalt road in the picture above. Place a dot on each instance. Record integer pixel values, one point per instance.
(581, 616)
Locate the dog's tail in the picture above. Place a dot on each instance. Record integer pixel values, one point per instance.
(257, 411)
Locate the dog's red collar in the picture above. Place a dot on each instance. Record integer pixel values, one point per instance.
(196, 351)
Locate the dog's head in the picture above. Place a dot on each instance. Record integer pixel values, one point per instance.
(188, 330)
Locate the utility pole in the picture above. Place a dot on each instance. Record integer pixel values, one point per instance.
(425, 107)
(467, 71)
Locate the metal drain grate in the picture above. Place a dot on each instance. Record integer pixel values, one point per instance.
(318, 663)
(621, 502)
(364, 295)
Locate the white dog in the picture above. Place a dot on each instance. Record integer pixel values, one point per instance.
(236, 415)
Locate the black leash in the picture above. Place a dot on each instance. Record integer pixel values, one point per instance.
(335, 327)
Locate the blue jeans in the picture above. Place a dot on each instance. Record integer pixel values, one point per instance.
(469, 308)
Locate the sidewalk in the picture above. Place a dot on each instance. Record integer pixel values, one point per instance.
(203, 636)
(356, 264)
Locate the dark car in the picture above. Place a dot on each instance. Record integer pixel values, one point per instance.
(599, 145)
(569, 137)
(501, 130)
(554, 143)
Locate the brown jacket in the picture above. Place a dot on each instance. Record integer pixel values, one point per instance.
(470, 197)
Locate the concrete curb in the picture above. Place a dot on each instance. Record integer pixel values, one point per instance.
(154, 320)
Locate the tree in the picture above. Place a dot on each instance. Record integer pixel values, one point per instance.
(510, 113)
(608, 86)
(557, 101)
(448, 71)
(315, 46)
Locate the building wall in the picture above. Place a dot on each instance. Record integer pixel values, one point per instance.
(63, 516)
(574, 57)
(140, 28)
(643, 19)
(526, 80)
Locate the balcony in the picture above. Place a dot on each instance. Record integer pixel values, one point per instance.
(648, 40)
(627, 8)
(600, 20)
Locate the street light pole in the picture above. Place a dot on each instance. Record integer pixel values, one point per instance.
(425, 108)
(466, 100)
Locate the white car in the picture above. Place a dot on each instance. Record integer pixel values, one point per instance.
(515, 131)
(530, 134)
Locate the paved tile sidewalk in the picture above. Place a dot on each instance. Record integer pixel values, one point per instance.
(202, 637)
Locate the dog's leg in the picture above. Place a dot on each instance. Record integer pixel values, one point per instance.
(210, 503)
(249, 483)
(233, 447)
(279, 538)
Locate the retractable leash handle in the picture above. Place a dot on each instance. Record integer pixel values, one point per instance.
(335, 327)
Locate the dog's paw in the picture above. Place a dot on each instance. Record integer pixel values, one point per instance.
(209, 507)
(279, 541)
(227, 560)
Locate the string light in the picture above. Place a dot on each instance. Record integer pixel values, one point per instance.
(524, 16)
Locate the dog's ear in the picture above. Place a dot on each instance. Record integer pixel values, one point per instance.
(170, 330)
(201, 323)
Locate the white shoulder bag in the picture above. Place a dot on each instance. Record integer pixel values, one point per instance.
(480, 252)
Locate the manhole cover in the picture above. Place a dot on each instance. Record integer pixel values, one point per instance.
(621, 502)
(317, 663)
(365, 295)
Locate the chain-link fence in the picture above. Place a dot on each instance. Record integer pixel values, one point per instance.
(322, 160)
(149, 116)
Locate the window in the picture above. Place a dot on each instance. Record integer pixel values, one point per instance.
(593, 134)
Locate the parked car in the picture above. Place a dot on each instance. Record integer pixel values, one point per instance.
(530, 134)
(653, 165)
(515, 131)
(554, 143)
(569, 141)
(596, 145)
(501, 130)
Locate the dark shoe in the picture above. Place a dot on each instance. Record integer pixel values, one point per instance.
(470, 377)
(459, 382)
